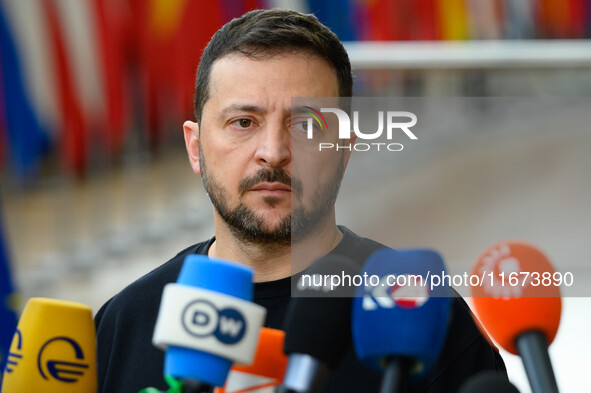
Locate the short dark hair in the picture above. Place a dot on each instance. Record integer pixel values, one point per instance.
(261, 34)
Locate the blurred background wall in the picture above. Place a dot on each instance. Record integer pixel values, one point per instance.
(95, 187)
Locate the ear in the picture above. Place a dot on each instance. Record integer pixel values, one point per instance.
(191, 132)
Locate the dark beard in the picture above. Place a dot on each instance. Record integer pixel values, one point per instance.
(248, 227)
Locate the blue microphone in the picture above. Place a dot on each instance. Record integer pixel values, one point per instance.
(399, 321)
(207, 321)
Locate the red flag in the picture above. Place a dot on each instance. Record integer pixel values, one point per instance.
(577, 15)
(200, 22)
(428, 26)
(380, 14)
(109, 16)
(73, 125)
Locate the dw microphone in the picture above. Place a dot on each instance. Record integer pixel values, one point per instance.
(207, 321)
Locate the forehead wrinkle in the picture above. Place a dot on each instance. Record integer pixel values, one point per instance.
(243, 108)
(216, 78)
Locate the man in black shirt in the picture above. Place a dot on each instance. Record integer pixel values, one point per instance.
(241, 144)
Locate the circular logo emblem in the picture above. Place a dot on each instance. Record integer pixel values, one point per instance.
(61, 358)
(200, 318)
(232, 326)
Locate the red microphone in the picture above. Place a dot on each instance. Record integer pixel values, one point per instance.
(266, 371)
(519, 305)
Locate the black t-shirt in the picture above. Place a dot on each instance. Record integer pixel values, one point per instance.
(128, 362)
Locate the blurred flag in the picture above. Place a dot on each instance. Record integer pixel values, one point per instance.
(232, 8)
(577, 16)
(3, 136)
(8, 315)
(519, 19)
(379, 14)
(428, 25)
(73, 124)
(110, 18)
(159, 21)
(337, 15)
(172, 36)
(26, 138)
(454, 20)
(29, 27)
(485, 19)
(296, 5)
(200, 21)
(553, 17)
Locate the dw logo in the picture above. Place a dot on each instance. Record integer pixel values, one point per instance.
(200, 318)
(55, 358)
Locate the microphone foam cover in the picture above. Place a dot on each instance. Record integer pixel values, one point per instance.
(506, 311)
(266, 371)
(393, 319)
(229, 278)
(53, 349)
(204, 328)
(318, 320)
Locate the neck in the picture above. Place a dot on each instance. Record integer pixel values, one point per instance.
(273, 262)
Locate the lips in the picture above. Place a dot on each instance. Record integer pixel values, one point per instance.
(271, 187)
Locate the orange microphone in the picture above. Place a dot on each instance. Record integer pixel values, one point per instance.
(267, 370)
(519, 304)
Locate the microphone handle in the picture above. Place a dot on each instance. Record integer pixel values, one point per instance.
(395, 379)
(195, 386)
(304, 374)
(533, 349)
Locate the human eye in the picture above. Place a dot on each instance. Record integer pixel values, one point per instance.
(304, 126)
(243, 123)
(300, 124)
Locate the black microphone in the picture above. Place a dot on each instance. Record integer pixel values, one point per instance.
(318, 324)
(488, 382)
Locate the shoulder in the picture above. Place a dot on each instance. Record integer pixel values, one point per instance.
(466, 352)
(145, 292)
(124, 328)
(356, 247)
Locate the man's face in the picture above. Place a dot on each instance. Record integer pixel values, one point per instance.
(244, 149)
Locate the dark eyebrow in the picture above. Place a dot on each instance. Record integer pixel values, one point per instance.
(242, 108)
(298, 110)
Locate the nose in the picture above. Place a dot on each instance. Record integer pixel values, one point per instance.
(274, 146)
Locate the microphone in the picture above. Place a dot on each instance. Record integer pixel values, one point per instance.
(266, 371)
(207, 321)
(318, 323)
(399, 323)
(517, 308)
(488, 382)
(53, 349)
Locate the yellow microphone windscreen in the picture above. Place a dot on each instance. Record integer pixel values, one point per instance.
(53, 349)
